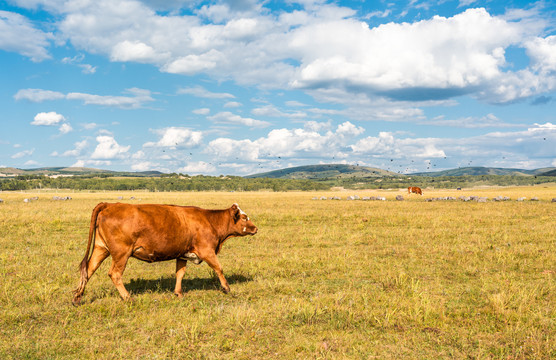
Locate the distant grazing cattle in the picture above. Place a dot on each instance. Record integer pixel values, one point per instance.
(415, 190)
(152, 233)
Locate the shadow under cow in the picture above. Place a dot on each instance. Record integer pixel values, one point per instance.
(167, 284)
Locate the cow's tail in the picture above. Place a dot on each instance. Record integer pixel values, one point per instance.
(85, 262)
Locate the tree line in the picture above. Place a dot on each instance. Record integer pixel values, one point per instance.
(166, 183)
(177, 182)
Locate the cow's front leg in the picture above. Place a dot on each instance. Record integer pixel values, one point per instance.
(180, 272)
(212, 261)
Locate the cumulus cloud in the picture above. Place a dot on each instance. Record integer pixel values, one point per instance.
(542, 52)
(227, 117)
(199, 167)
(38, 95)
(142, 166)
(23, 154)
(108, 148)
(272, 111)
(65, 128)
(201, 92)
(52, 119)
(77, 151)
(137, 99)
(77, 61)
(17, 34)
(232, 104)
(433, 59)
(202, 111)
(48, 119)
(136, 51)
(177, 137)
(30, 163)
(309, 142)
(470, 122)
(387, 145)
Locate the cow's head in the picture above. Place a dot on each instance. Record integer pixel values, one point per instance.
(241, 222)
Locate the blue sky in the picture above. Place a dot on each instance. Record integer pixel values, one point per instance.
(241, 87)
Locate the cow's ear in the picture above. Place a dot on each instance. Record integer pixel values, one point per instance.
(235, 213)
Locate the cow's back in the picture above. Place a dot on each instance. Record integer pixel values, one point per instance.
(151, 232)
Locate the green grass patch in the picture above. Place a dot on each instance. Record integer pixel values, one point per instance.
(321, 280)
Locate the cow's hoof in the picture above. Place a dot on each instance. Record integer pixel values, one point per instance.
(225, 290)
(179, 295)
(76, 301)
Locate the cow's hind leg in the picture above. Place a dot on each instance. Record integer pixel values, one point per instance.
(116, 270)
(212, 261)
(97, 257)
(180, 272)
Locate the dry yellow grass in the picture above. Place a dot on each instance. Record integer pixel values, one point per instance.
(321, 279)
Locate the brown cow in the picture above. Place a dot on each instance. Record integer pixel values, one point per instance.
(151, 233)
(415, 190)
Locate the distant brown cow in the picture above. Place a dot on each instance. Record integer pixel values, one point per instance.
(158, 233)
(415, 190)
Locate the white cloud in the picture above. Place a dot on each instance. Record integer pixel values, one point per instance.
(202, 111)
(470, 122)
(542, 53)
(38, 95)
(65, 128)
(90, 126)
(23, 153)
(142, 166)
(201, 92)
(79, 163)
(194, 168)
(227, 117)
(17, 34)
(48, 119)
(177, 137)
(286, 143)
(52, 119)
(192, 64)
(403, 60)
(76, 60)
(136, 51)
(138, 155)
(272, 111)
(232, 104)
(108, 148)
(140, 96)
(387, 146)
(437, 58)
(77, 151)
(137, 99)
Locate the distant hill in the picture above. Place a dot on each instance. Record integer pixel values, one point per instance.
(329, 171)
(549, 173)
(73, 171)
(486, 171)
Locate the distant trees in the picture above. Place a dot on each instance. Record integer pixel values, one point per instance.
(166, 183)
(178, 182)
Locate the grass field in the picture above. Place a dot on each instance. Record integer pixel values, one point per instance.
(321, 280)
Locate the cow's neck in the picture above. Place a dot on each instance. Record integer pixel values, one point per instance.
(222, 224)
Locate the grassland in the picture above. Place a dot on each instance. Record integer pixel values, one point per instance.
(321, 280)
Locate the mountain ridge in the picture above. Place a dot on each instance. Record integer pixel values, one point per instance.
(307, 172)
